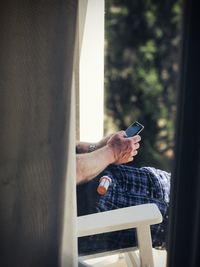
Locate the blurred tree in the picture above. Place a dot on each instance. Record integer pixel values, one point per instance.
(142, 46)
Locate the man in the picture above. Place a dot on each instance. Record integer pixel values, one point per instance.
(130, 186)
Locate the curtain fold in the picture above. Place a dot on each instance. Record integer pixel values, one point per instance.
(184, 239)
(36, 62)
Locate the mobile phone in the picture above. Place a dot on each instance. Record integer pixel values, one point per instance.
(134, 129)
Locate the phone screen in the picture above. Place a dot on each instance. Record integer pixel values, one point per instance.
(134, 129)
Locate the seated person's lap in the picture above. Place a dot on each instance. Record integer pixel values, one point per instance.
(130, 186)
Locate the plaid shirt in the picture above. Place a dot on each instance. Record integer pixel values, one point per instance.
(131, 186)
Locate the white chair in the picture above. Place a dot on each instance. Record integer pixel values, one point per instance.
(139, 217)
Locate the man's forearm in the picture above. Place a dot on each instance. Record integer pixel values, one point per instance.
(91, 164)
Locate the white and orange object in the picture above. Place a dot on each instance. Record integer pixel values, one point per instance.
(104, 183)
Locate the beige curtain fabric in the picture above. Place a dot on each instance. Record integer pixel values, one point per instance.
(36, 159)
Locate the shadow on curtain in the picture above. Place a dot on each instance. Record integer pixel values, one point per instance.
(184, 240)
(36, 58)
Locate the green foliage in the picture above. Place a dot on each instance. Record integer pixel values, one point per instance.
(141, 72)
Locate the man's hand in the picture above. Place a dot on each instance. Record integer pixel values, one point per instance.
(124, 148)
(103, 141)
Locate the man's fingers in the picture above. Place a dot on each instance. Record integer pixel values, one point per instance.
(136, 138)
(135, 153)
(137, 145)
(123, 133)
(130, 159)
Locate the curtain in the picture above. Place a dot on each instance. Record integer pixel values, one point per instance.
(37, 207)
(184, 239)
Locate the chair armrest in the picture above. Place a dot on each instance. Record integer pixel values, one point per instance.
(119, 219)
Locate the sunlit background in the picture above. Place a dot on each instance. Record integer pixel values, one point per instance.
(92, 74)
(142, 44)
(129, 71)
